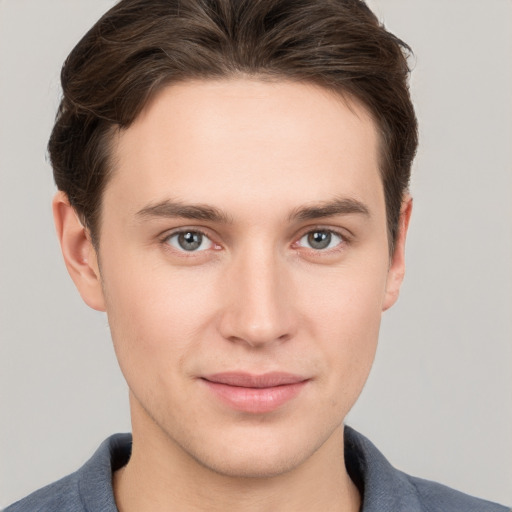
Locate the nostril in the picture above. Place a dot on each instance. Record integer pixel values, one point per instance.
(256, 336)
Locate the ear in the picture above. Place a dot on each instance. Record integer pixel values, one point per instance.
(79, 254)
(396, 270)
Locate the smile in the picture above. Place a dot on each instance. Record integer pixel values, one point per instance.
(255, 393)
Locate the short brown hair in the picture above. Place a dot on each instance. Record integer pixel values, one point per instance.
(140, 46)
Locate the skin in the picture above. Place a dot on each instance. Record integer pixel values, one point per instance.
(256, 297)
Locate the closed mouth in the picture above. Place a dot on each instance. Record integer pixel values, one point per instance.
(252, 393)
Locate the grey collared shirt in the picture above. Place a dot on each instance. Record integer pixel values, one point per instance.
(383, 488)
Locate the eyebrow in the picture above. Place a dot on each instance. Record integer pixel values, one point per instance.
(171, 209)
(338, 206)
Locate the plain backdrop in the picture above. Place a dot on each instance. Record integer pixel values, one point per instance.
(439, 400)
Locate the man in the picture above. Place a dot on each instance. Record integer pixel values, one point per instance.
(233, 193)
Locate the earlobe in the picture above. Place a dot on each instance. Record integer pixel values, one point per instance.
(78, 252)
(396, 270)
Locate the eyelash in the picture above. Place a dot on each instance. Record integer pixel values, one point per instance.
(344, 240)
(165, 240)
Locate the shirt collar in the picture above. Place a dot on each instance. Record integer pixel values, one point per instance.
(382, 487)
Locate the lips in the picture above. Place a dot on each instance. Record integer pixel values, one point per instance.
(255, 393)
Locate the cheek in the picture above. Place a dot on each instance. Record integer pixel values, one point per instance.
(344, 317)
(156, 314)
(349, 298)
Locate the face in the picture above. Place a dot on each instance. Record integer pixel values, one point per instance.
(244, 268)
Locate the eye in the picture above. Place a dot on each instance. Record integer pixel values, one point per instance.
(189, 241)
(321, 239)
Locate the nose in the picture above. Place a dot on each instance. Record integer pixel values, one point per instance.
(258, 307)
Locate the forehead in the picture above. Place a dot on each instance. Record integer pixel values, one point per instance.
(239, 140)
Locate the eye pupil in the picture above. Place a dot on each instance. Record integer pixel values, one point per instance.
(319, 239)
(190, 240)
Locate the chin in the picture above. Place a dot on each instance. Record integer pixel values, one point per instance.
(258, 454)
(246, 464)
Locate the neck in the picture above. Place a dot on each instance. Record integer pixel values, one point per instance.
(162, 476)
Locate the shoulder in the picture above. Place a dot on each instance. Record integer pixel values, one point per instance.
(435, 497)
(89, 488)
(386, 489)
(61, 495)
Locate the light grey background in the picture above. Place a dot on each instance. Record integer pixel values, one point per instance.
(439, 400)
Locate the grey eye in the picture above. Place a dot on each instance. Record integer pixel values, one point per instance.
(321, 239)
(189, 241)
